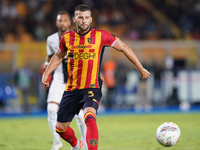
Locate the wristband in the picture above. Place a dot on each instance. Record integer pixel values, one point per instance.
(46, 63)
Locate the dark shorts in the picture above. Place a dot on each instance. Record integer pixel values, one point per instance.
(73, 101)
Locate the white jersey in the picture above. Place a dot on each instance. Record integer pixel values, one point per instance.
(52, 47)
(57, 85)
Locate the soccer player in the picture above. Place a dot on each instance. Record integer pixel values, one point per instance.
(58, 84)
(84, 48)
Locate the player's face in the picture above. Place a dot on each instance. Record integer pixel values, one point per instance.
(82, 20)
(63, 22)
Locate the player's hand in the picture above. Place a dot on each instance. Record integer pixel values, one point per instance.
(44, 80)
(144, 74)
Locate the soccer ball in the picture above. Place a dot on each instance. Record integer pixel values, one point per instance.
(168, 134)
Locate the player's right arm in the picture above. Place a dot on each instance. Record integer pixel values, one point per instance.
(53, 64)
(50, 52)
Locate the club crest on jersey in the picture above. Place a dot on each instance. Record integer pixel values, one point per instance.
(89, 40)
(93, 142)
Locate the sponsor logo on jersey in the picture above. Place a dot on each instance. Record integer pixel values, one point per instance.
(82, 55)
(81, 46)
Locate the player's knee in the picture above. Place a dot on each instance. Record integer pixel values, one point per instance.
(58, 130)
(52, 107)
(81, 115)
(89, 117)
(65, 133)
(62, 127)
(52, 111)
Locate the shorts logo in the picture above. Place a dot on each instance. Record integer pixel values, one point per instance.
(90, 94)
(89, 40)
(93, 142)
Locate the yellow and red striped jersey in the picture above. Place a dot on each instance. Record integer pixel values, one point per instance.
(84, 55)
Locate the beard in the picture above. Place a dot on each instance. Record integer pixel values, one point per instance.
(63, 29)
(82, 28)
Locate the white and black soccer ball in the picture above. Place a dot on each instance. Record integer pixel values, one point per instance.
(168, 134)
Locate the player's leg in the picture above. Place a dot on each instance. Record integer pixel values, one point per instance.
(54, 97)
(52, 119)
(82, 128)
(90, 108)
(92, 135)
(68, 107)
(68, 134)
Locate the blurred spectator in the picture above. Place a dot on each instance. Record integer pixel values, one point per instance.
(143, 98)
(23, 77)
(121, 80)
(8, 9)
(158, 68)
(103, 17)
(109, 69)
(121, 73)
(43, 91)
(117, 17)
(22, 11)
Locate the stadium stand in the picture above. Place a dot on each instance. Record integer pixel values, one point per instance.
(23, 21)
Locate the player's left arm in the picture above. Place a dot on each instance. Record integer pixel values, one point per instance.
(122, 47)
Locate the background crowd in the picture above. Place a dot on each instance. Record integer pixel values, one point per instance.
(28, 20)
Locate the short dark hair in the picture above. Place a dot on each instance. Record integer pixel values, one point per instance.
(63, 12)
(82, 7)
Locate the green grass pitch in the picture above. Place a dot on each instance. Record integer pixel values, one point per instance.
(116, 132)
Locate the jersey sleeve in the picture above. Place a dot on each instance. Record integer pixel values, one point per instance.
(49, 47)
(62, 47)
(108, 39)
